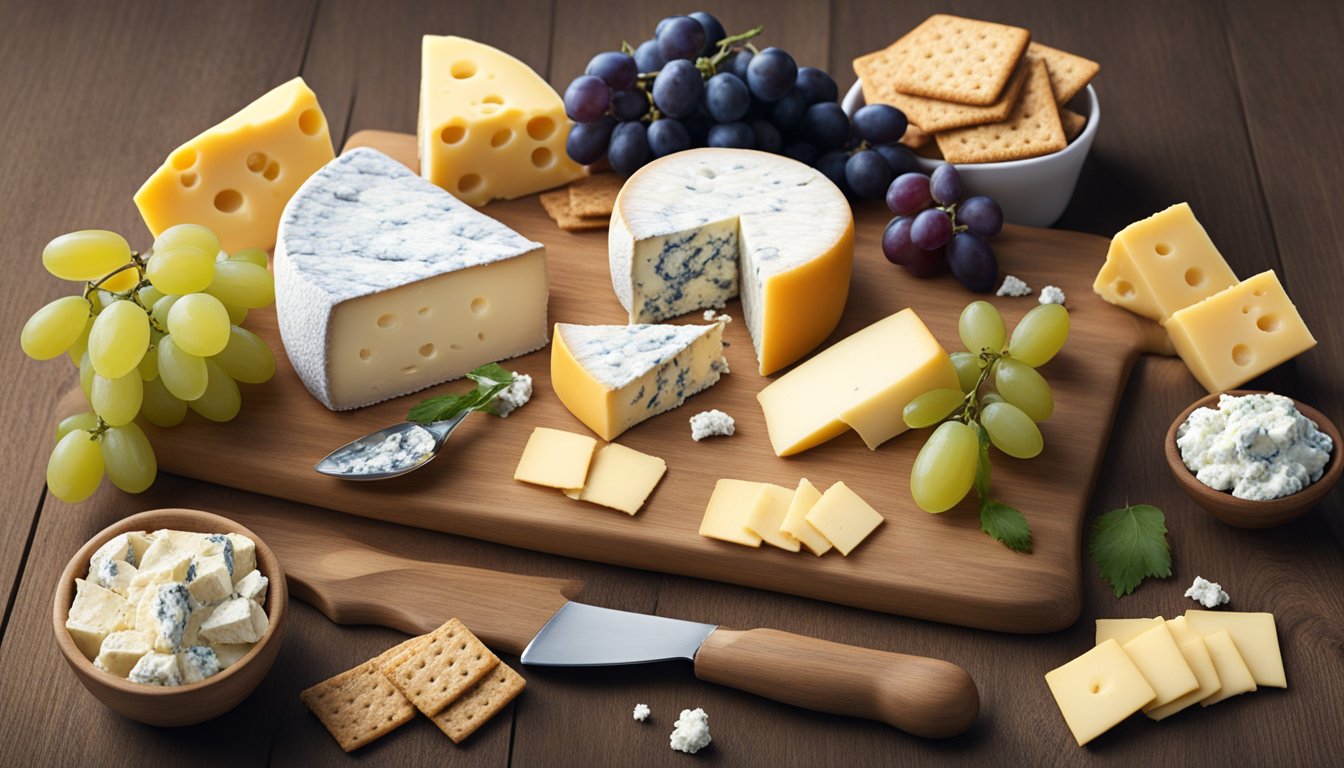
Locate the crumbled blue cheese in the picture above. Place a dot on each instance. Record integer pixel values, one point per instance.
(714, 317)
(642, 712)
(397, 451)
(170, 610)
(156, 669)
(234, 621)
(691, 731)
(117, 548)
(711, 423)
(515, 396)
(1259, 447)
(197, 663)
(1207, 593)
(1051, 294)
(1014, 287)
(115, 575)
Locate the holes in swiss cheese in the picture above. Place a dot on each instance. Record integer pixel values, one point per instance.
(453, 134)
(540, 128)
(410, 369)
(188, 179)
(1194, 277)
(1162, 249)
(256, 162)
(469, 183)
(365, 355)
(1242, 355)
(542, 157)
(493, 99)
(228, 201)
(1267, 323)
(388, 321)
(479, 306)
(427, 351)
(272, 171)
(310, 121)
(184, 159)
(501, 138)
(1124, 289)
(462, 69)
(424, 311)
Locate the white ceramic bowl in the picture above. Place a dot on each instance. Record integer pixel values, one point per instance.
(1034, 191)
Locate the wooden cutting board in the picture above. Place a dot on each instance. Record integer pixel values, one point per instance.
(938, 567)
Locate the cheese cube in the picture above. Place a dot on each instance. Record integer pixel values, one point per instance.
(795, 520)
(127, 547)
(230, 653)
(121, 651)
(244, 556)
(1196, 655)
(211, 580)
(1239, 333)
(197, 663)
(237, 176)
(489, 126)
(163, 614)
(156, 669)
(767, 515)
(620, 478)
(252, 586)
(1256, 638)
(1098, 690)
(1158, 657)
(555, 459)
(115, 575)
(237, 620)
(861, 382)
(1162, 264)
(192, 634)
(1233, 674)
(1123, 630)
(843, 518)
(726, 515)
(167, 571)
(95, 613)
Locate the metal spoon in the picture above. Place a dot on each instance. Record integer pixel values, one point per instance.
(333, 464)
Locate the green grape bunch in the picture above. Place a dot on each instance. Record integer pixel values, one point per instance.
(152, 334)
(955, 458)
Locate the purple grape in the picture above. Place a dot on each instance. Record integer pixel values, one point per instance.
(647, 57)
(832, 166)
(981, 215)
(802, 152)
(945, 184)
(768, 138)
(927, 263)
(629, 105)
(868, 174)
(629, 148)
(973, 262)
(618, 70)
(668, 135)
(909, 194)
(726, 97)
(587, 99)
(662, 23)
(931, 229)
(816, 86)
(896, 245)
(880, 123)
(771, 74)
(899, 157)
(698, 125)
(678, 87)
(737, 62)
(732, 135)
(714, 32)
(825, 125)
(787, 113)
(587, 142)
(680, 38)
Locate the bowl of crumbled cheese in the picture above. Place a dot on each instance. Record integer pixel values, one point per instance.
(1254, 459)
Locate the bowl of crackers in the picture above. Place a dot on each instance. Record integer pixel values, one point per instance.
(1015, 116)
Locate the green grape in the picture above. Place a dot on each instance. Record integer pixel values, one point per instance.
(242, 284)
(85, 255)
(162, 308)
(1022, 386)
(981, 327)
(86, 421)
(221, 400)
(932, 407)
(160, 407)
(75, 468)
(199, 324)
(1040, 334)
(149, 364)
(182, 373)
(81, 345)
(86, 375)
(990, 397)
(1011, 430)
(118, 339)
(53, 329)
(189, 236)
(180, 270)
(129, 458)
(237, 315)
(251, 256)
(944, 470)
(246, 358)
(122, 282)
(148, 295)
(967, 366)
(117, 400)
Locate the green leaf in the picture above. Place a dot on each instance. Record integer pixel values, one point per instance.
(490, 381)
(1129, 545)
(1005, 524)
(491, 374)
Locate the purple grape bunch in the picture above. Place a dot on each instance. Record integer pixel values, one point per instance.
(936, 229)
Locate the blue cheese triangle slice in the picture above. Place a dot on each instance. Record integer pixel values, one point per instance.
(385, 284)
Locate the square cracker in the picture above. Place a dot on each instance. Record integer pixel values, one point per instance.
(557, 205)
(956, 59)
(1073, 123)
(1032, 129)
(358, 706)
(594, 196)
(437, 668)
(1069, 73)
(876, 73)
(915, 137)
(475, 707)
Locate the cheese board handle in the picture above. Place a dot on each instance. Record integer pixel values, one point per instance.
(919, 695)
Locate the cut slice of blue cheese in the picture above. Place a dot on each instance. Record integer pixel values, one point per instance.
(697, 228)
(385, 284)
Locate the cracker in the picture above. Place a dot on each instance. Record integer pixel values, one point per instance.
(594, 196)
(438, 668)
(1069, 72)
(956, 59)
(475, 707)
(1032, 129)
(557, 206)
(358, 706)
(1073, 123)
(915, 137)
(876, 72)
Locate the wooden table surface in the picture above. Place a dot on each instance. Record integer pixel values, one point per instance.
(1233, 106)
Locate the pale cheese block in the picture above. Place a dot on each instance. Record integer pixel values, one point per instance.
(1197, 657)
(767, 516)
(1123, 630)
(805, 496)
(620, 478)
(1158, 657)
(490, 127)
(1233, 674)
(612, 377)
(555, 458)
(121, 651)
(236, 177)
(385, 284)
(95, 613)
(1098, 690)
(694, 229)
(726, 514)
(843, 518)
(1256, 638)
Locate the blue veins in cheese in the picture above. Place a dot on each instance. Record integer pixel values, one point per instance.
(156, 668)
(115, 575)
(197, 663)
(169, 610)
(386, 284)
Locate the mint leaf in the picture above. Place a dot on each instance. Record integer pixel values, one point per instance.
(1005, 524)
(491, 374)
(490, 381)
(1129, 545)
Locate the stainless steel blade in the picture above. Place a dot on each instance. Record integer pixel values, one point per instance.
(587, 636)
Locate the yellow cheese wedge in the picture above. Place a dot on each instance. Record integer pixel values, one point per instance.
(489, 126)
(236, 177)
(862, 382)
(1232, 671)
(726, 516)
(555, 459)
(1239, 333)
(1123, 630)
(1162, 264)
(795, 520)
(767, 515)
(1158, 657)
(1098, 690)
(1197, 657)
(1256, 638)
(843, 518)
(620, 478)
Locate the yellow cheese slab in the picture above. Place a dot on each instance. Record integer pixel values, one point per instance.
(1201, 664)
(795, 524)
(1162, 264)
(489, 126)
(620, 478)
(1256, 638)
(1158, 657)
(767, 515)
(726, 516)
(236, 177)
(861, 382)
(1233, 673)
(555, 459)
(1239, 333)
(1098, 690)
(843, 518)
(1123, 630)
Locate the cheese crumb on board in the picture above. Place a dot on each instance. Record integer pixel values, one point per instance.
(642, 712)
(1207, 593)
(1051, 294)
(691, 731)
(713, 317)
(518, 394)
(1014, 287)
(710, 424)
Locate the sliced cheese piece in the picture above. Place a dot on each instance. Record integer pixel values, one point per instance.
(612, 377)
(726, 515)
(1256, 638)
(1098, 690)
(489, 126)
(620, 478)
(1161, 264)
(1239, 333)
(1123, 630)
(385, 284)
(694, 229)
(1197, 657)
(237, 177)
(1233, 674)
(555, 459)
(1158, 657)
(843, 518)
(862, 381)
(767, 515)
(795, 520)
(95, 613)
(121, 650)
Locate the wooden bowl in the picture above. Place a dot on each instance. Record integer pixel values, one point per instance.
(184, 704)
(1245, 513)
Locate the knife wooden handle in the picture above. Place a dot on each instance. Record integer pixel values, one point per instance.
(923, 696)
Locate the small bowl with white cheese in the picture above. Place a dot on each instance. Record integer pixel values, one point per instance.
(171, 617)
(1254, 459)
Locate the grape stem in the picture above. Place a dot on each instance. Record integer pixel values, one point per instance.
(132, 294)
(970, 409)
(96, 433)
(951, 210)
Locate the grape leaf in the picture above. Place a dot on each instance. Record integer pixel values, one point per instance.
(490, 381)
(1006, 525)
(1129, 545)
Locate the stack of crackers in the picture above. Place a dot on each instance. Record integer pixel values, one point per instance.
(585, 204)
(447, 674)
(983, 92)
